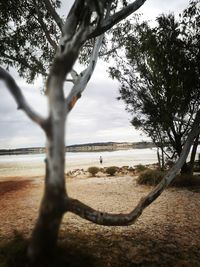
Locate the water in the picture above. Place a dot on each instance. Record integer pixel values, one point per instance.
(119, 158)
(33, 164)
(123, 157)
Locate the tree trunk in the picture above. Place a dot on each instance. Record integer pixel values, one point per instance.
(163, 158)
(45, 234)
(193, 154)
(158, 156)
(185, 169)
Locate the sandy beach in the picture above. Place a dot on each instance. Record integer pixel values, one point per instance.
(167, 233)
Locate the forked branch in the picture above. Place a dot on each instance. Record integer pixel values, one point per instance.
(81, 81)
(84, 77)
(109, 22)
(20, 99)
(102, 218)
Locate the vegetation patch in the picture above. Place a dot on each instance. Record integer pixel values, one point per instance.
(93, 170)
(111, 170)
(153, 177)
(186, 180)
(150, 177)
(140, 168)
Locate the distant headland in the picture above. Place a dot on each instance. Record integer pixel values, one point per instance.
(90, 147)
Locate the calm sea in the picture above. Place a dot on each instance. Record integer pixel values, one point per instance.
(34, 164)
(123, 157)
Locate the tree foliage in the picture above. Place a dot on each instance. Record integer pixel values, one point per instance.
(160, 77)
(29, 36)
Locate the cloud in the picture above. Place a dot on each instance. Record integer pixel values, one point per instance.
(16, 129)
(152, 8)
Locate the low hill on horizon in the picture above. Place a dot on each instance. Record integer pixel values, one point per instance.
(88, 147)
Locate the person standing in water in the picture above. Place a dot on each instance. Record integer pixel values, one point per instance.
(101, 160)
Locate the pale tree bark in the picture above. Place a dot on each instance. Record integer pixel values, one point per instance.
(159, 160)
(82, 80)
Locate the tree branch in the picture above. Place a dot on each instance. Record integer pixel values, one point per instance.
(110, 51)
(44, 27)
(102, 218)
(74, 75)
(83, 79)
(109, 22)
(20, 100)
(54, 14)
(22, 62)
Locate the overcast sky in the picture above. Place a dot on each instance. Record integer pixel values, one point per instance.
(97, 116)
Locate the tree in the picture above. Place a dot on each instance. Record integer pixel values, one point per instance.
(160, 81)
(29, 41)
(86, 19)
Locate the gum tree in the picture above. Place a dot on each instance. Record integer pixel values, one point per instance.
(87, 19)
(159, 77)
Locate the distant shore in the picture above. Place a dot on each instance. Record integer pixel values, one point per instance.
(33, 164)
(90, 147)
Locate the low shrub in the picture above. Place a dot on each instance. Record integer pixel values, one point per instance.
(196, 167)
(140, 168)
(153, 177)
(186, 180)
(93, 170)
(150, 177)
(111, 170)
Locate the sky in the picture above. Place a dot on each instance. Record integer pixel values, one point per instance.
(97, 117)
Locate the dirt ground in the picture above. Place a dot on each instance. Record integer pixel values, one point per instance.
(166, 234)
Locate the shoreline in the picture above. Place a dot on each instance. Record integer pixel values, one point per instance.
(90, 147)
(18, 169)
(30, 165)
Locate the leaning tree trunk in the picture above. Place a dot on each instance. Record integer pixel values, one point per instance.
(158, 157)
(163, 158)
(193, 154)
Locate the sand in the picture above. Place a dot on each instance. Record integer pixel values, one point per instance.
(167, 233)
